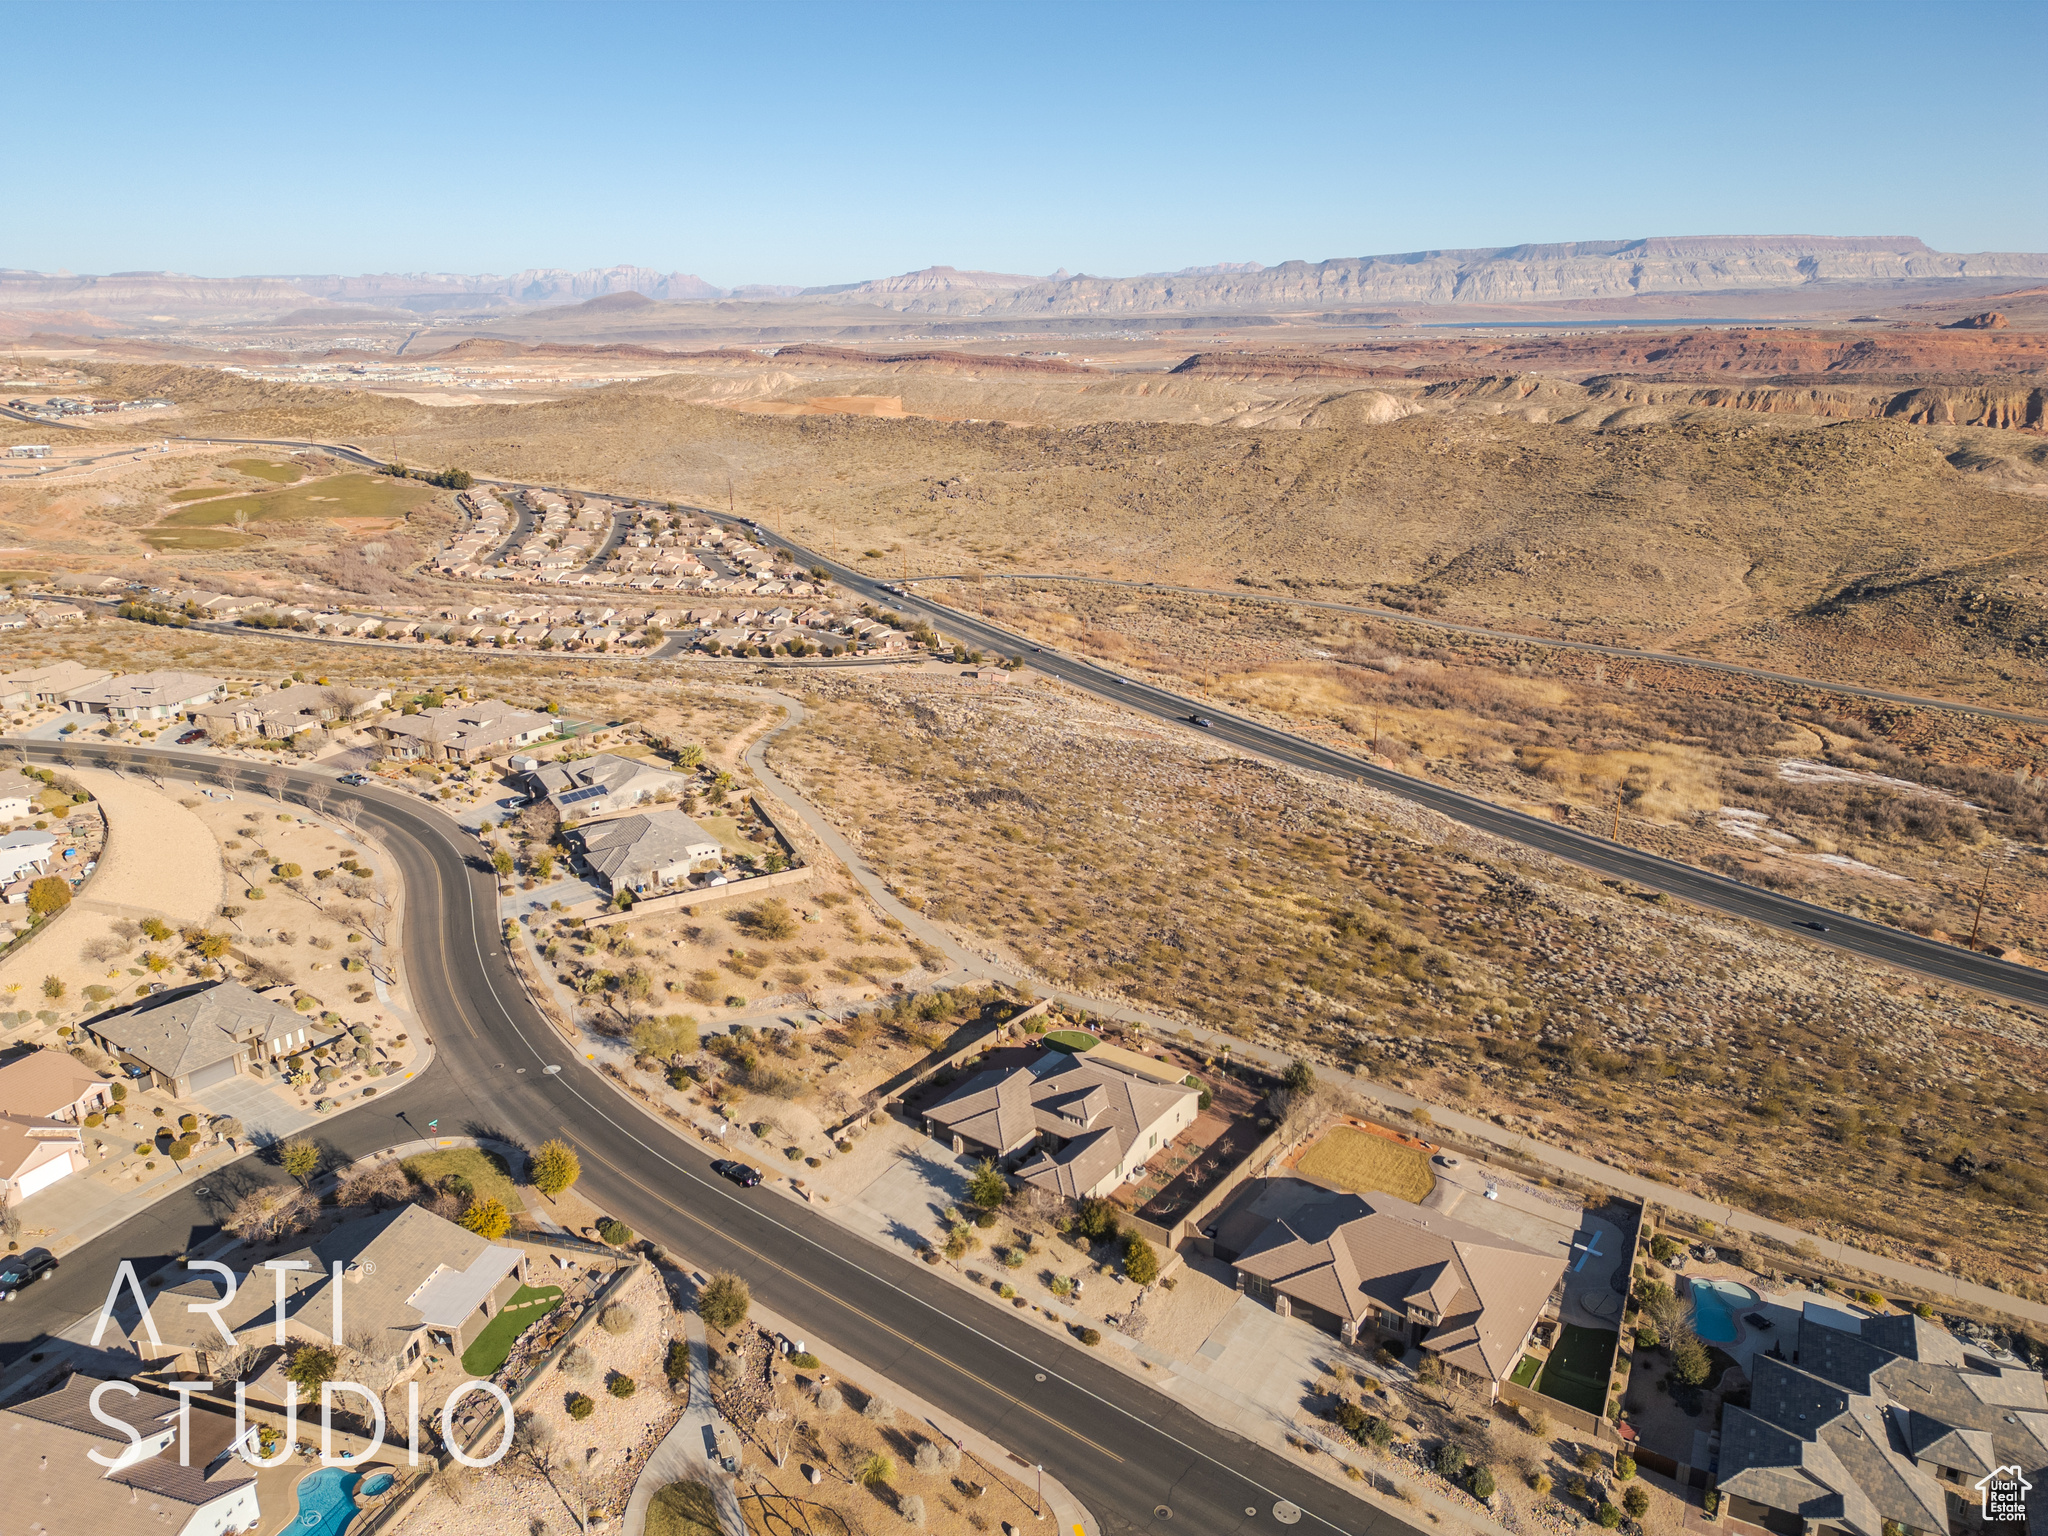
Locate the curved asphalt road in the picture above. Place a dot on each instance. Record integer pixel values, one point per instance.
(1854, 935)
(1124, 1449)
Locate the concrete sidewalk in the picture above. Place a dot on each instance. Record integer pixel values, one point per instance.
(686, 1450)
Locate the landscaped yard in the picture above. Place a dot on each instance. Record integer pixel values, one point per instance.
(1525, 1373)
(529, 1304)
(1576, 1372)
(1072, 1040)
(485, 1172)
(1353, 1159)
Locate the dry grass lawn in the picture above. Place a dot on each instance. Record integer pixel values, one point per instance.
(1358, 1160)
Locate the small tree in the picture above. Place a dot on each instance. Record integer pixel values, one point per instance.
(988, 1188)
(724, 1300)
(1450, 1459)
(48, 896)
(487, 1218)
(1429, 1370)
(580, 1407)
(311, 1365)
(1300, 1076)
(1141, 1261)
(1609, 1515)
(300, 1157)
(1481, 1483)
(1689, 1361)
(615, 1231)
(554, 1167)
(1636, 1501)
(53, 987)
(1624, 1466)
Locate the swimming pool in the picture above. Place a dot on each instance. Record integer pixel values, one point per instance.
(326, 1502)
(1714, 1305)
(375, 1483)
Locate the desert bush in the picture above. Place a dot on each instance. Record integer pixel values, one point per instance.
(580, 1407)
(875, 1471)
(1481, 1483)
(617, 1318)
(621, 1387)
(830, 1402)
(724, 1300)
(576, 1363)
(911, 1508)
(879, 1410)
(615, 1232)
(1636, 1500)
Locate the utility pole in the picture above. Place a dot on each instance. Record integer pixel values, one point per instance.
(1977, 922)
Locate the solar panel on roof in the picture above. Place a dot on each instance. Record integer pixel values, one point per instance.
(582, 794)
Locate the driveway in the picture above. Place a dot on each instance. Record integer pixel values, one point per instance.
(266, 1114)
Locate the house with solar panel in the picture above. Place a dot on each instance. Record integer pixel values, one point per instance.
(601, 785)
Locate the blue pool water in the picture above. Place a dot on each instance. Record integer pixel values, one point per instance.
(326, 1502)
(376, 1483)
(1714, 1305)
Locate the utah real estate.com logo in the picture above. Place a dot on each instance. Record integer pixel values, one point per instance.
(245, 1440)
(2005, 1496)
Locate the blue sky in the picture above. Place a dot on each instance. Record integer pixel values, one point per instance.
(815, 144)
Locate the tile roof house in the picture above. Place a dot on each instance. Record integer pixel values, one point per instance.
(646, 852)
(282, 715)
(193, 1039)
(54, 1486)
(462, 733)
(1074, 1127)
(37, 1151)
(48, 685)
(144, 695)
(1894, 1424)
(409, 1280)
(597, 786)
(1349, 1263)
(52, 1085)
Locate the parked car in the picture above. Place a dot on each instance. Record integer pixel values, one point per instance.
(355, 778)
(20, 1269)
(189, 737)
(740, 1173)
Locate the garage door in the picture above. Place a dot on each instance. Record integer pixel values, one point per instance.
(43, 1177)
(219, 1072)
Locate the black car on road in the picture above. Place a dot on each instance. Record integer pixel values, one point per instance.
(20, 1269)
(740, 1173)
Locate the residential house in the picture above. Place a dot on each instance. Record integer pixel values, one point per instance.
(146, 1482)
(462, 733)
(37, 1147)
(646, 853)
(52, 1085)
(26, 852)
(409, 1281)
(1354, 1265)
(600, 785)
(195, 1038)
(144, 696)
(39, 687)
(1878, 1423)
(282, 715)
(1066, 1124)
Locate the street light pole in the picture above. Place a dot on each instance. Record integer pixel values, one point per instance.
(1040, 1513)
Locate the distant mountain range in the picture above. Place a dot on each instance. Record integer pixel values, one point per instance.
(1524, 274)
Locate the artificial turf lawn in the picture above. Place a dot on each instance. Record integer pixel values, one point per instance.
(1358, 1160)
(488, 1350)
(1525, 1372)
(1072, 1040)
(1577, 1371)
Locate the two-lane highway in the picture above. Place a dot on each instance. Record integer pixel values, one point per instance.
(1799, 919)
(1124, 1449)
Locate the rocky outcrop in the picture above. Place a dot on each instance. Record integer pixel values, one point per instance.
(1959, 406)
(1990, 320)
